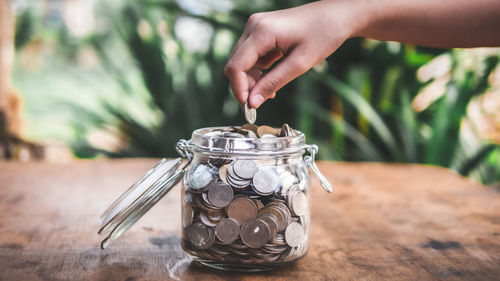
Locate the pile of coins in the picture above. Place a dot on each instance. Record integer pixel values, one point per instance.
(243, 209)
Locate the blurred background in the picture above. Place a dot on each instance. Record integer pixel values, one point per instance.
(129, 78)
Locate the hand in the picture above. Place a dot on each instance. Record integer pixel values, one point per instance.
(305, 35)
(300, 37)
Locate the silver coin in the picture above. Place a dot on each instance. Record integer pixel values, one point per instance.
(298, 203)
(238, 184)
(250, 113)
(294, 234)
(220, 194)
(200, 177)
(265, 182)
(233, 175)
(245, 169)
(201, 236)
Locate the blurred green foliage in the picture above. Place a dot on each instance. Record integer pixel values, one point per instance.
(154, 87)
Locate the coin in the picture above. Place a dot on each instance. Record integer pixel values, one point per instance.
(215, 215)
(220, 194)
(245, 169)
(277, 213)
(200, 177)
(272, 222)
(259, 204)
(201, 236)
(241, 209)
(205, 202)
(223, 173)
(255, 233)
(267, 130)
(206, 220)
(281, 212)
(286, 131)
(265, 182)
(227, 230)
(298, 203)
(294, 234)
(250, 113)
(250, 127)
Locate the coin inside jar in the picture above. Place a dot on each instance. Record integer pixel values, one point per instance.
(242, 209)
(223, 173)
(265, 182)
(244, 169)
(220, 194)
(200, 177)
(227, 230)
(294, 234)
(255, 233)
(267, 130)
(298, 203)
(201, 236)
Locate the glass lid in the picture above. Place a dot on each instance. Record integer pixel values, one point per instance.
(139, 198)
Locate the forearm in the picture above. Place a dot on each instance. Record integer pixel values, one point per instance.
(436, 23)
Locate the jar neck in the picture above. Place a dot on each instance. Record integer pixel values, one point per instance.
(201, 142)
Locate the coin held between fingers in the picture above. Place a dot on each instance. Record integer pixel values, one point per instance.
(250, 113)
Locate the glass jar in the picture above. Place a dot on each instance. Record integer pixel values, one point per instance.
(244, 200)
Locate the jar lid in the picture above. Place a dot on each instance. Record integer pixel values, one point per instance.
(139, 198)
(204, 140)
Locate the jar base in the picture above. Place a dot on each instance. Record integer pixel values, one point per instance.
(241, 267)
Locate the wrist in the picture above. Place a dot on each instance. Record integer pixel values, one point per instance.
(365, 15)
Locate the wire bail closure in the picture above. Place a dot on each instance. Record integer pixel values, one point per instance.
(310, 162)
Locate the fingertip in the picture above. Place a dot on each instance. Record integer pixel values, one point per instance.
(242, 98)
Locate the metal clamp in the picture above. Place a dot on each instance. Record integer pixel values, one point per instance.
(310, 162)
(185, 149)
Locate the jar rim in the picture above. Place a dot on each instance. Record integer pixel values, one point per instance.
(245, 145)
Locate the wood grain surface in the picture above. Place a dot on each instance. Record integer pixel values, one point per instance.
(383, 222)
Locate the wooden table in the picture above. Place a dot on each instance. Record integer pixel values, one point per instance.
(400, 222)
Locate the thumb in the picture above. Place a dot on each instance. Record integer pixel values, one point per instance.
(292, 65)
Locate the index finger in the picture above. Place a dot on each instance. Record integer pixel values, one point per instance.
(243, 59)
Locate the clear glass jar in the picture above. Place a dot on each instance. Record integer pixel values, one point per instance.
(245, 200)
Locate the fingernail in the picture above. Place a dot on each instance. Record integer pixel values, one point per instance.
(257, 100)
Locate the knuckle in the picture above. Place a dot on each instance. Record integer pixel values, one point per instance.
(229, 69)
(254, 19)
(300, 63)
(260, 22)
(263, 25)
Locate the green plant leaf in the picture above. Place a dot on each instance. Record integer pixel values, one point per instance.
(363, 107)
(474, 161)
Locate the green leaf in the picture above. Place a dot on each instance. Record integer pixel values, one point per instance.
(363, 107)
(474, 161)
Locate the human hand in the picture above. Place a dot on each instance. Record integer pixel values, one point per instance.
(301, 37)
